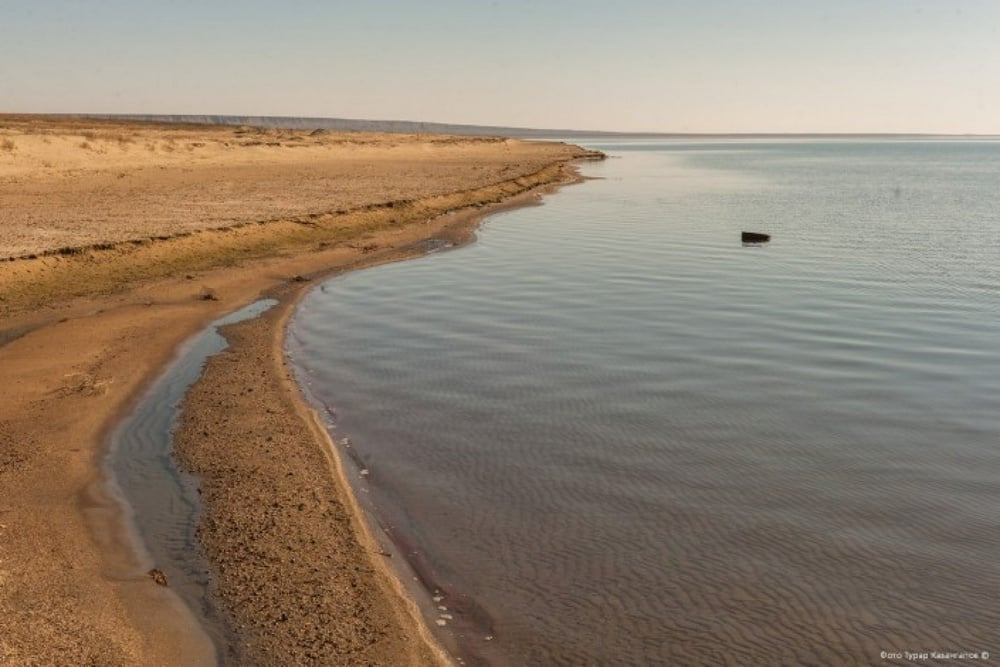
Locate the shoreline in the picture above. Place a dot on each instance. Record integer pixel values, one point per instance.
(83, 334)
(270, 625)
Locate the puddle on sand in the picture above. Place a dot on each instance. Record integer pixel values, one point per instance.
(160, 502)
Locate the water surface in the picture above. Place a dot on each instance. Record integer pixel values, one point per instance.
(161, 501)
(609, 433)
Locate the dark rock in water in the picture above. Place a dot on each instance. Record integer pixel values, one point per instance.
(755, 237)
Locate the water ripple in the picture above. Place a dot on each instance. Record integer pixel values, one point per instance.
(631, 440)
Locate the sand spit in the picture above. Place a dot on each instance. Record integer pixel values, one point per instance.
(280, 531)
(124, 269)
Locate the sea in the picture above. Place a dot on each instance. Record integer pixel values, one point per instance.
(608, 432)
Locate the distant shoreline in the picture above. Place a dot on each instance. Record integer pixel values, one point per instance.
(430, 127)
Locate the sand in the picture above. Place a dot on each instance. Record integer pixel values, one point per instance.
(123, 248)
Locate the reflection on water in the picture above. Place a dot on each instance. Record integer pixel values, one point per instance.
(626, 438)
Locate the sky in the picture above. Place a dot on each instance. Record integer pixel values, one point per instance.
(930, 66)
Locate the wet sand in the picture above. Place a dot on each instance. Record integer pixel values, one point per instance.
(112, 273)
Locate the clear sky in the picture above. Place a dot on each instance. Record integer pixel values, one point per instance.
(632, 65)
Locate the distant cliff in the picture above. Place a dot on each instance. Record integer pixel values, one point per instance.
(353, 125)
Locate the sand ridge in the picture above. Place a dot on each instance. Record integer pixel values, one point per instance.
(83, 331)
(280, 533)
(66, 186)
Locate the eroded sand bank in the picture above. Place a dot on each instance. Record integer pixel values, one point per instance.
(136, 247)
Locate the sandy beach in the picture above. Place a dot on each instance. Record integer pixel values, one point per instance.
(118, 242)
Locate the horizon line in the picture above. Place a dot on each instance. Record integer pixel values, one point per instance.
(445, 127)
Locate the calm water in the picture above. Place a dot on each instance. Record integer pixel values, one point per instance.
(610, 434)
(160, 500)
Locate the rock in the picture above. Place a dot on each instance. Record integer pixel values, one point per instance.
(158, 576)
